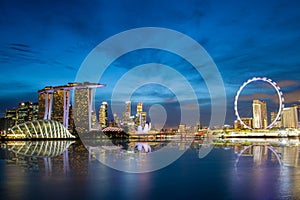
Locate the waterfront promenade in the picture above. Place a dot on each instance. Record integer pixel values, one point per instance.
(279, 134)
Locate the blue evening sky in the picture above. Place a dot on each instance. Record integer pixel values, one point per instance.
(44, 42)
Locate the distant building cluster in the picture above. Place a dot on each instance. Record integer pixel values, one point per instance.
(54, 104)
(26, 111)
(183, 128)
(288, 119)
(128, 121)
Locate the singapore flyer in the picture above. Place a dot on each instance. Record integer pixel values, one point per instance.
(258, 103)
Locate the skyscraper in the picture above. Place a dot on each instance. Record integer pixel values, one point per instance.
(23, 112)
(61, 106)
(260, 118)
(127, 113)
(83, 109)
(264, 115)
(94, 121)
(181, 128)
(143, 118)
(35, 110)
(58, 106)
(116, 122)
(139, 110)
(127, 120)
(12, 116)
(45, 99)
(27, 111)
(42, 105)
(128, 109)
(56, 101)
(290, 117)
(273, 117)
(103, 116)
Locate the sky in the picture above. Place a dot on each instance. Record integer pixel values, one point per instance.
(44, 42)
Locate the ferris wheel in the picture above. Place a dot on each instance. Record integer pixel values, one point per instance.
(278, 92)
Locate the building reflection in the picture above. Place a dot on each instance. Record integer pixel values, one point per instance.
(262, 162)
(69, 158)
(285, 155)
(290, 155)
(49, 158)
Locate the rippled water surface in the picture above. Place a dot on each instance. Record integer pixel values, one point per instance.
(266, 169)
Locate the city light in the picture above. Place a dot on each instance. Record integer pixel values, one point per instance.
(279, 94)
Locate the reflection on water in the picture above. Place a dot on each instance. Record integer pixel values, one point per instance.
(233, 169)
(134, 155)
(47, 148)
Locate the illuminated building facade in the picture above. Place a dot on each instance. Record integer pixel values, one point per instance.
(94, 121)
(273, 117)
(143, 118)
(260, 118)
(198, 124)
(290, 117)
(182, 128)
(127, 112)
(24, 110)
(12, 116)
(83, 106)
(139, 110)
(39, 129)
(10, 120)
(42, 105)
(127, 119)
(247, 121)
(61, 106)
(45, 98)
(5, 124)
(35, 110)
(71, 119)
(237, 124)
(83, 109)
(103, 115)
(117, 120)
(54, 103)
(128, 108)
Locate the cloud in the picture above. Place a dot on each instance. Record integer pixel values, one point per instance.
(287, 83)
(20, 47)
(292, 97)
(289, 97)
(260, 96)
(46, 41)
(15, 86)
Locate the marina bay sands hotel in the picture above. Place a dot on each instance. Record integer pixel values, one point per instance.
(54, 104)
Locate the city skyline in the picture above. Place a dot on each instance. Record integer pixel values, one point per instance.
(57, 100)
(245, 39)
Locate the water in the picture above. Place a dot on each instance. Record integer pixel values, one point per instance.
(232, 170)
